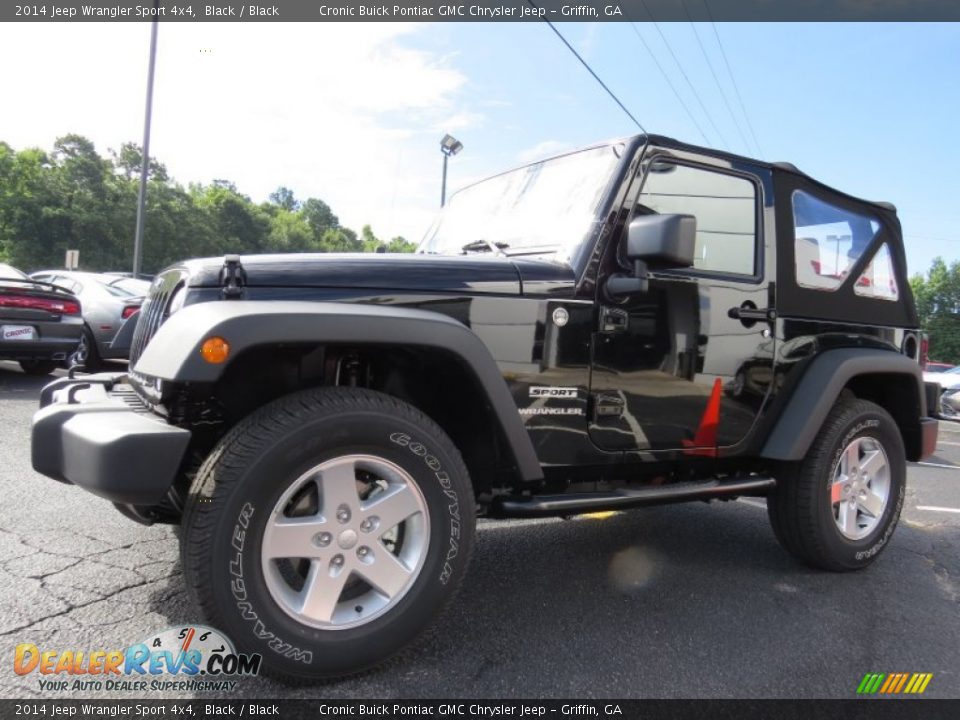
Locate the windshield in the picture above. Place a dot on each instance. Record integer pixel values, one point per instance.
(547, 207)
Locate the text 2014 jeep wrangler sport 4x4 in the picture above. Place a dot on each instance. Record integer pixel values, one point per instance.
(636, 323)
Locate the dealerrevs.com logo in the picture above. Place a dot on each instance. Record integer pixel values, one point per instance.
(188, 658)
(894, 683)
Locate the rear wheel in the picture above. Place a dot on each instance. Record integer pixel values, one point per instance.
(838, 507)
(327, 531)
(38, 367)
(86, 354)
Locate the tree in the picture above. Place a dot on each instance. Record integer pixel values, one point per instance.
(283, 197)
(340, 239)
(319, 216)
(401, 245)
(289, 232)
(937, 297)
(130, 159)
(74, 198)
(371, 242)
(241, 226)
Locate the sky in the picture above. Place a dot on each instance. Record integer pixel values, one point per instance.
(353, 113)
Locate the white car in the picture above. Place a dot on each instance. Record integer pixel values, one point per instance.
(948, 379)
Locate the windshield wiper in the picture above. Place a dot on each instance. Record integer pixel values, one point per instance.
(483, 245)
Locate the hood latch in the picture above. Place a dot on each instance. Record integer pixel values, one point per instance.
(233, 277)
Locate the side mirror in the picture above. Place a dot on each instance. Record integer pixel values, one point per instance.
(665, 241)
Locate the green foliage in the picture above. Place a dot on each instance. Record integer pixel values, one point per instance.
(283, 197)
(401, 245)
(371, 243)
(74, 198)
(318, 216)
(938, 303)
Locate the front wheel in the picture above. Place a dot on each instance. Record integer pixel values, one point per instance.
(328, 530)
(838, 507)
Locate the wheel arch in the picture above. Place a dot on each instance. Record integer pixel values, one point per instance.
(450, 376)
(890, 380)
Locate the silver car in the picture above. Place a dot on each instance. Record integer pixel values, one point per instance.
(111, 305)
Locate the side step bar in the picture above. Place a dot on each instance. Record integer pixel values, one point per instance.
(575, 503)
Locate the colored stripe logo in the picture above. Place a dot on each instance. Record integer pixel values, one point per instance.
(894, 683)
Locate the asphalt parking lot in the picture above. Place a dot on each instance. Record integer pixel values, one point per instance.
(687, 601)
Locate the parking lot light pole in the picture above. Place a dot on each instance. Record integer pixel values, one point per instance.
(145, 161)
(449, 145)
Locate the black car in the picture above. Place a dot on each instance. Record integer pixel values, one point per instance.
(40, 323)
(326, 428)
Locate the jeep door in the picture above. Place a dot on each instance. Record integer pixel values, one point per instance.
(687, 364)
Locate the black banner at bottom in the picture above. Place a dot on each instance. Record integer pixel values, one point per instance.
(854, 709)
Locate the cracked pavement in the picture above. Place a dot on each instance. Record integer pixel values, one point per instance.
(684, 601)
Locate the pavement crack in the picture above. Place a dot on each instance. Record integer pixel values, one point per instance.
(72, 607)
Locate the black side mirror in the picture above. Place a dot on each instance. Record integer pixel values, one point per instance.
(663, 241)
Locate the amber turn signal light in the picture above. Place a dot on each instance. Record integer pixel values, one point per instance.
(215, 350)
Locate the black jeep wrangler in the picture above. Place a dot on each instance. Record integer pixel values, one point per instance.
(636, 323)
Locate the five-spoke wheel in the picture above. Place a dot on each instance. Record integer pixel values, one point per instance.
(861, 487)
(346, 541)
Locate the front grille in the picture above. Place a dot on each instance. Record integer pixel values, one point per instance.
(129, 396)
(154, 311)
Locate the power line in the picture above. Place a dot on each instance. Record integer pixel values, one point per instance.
(716, 80)
(683, 72)
(673, 87)
(590, 70)
(733, 79)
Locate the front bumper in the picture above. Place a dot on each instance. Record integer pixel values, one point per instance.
(96, 433)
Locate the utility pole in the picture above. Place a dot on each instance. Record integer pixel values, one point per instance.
(145, 165)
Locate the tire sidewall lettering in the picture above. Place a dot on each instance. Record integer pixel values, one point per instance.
(242, 598)
(434, 465)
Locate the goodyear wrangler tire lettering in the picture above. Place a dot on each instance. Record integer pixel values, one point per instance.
(238, 589)
(453, 508)
(257, 484)
(837, 509)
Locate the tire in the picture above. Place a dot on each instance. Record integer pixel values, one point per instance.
(259, 476)
(809, 510)
(87, 354)
(38, 367)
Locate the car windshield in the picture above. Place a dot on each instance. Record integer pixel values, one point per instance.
(546, 207)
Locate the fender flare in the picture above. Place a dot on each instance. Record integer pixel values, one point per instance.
(173, 354)
(807, 404)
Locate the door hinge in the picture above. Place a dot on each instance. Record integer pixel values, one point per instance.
(613, 320)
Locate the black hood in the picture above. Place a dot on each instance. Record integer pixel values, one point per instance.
(469, 274)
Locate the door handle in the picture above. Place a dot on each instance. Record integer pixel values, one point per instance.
(749, 314)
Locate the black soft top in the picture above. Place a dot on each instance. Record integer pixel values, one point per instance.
(775, 167)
